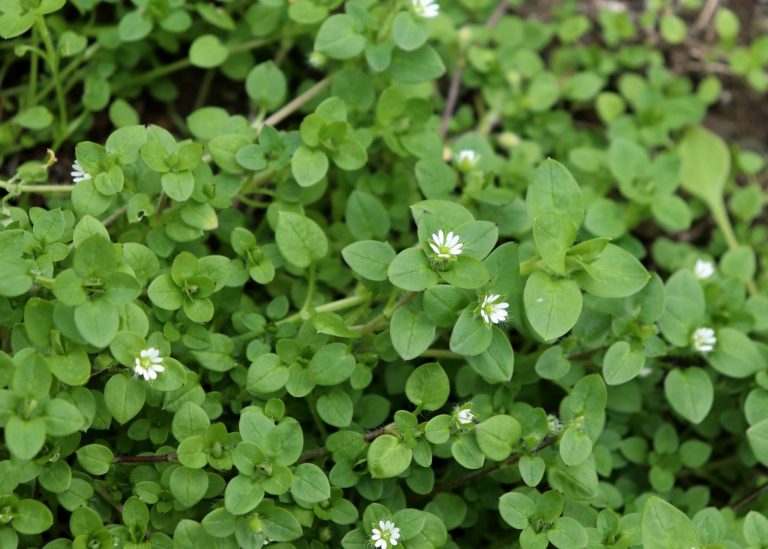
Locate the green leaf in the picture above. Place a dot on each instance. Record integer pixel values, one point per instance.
(94, 257)
(308, 166)
(191, 452)
(664, 526)
(555, 191)
(125, 143)
(300, 240)
(690, 392)
(684, 308)
(496, 363)
(366, 216)
(332, 364)
(553, 235)
(552, 306)
(735, 355)
(134, 26)
(470, 336)
(74, 368)
(207, 52)
(34, 118)
(516, 509)
(369, 258)
(532, 469)
(410, 270)
(497, 436)
(62, 418)
(87, 200)
(705, 165)
(338, 39)
(178, 185)
(95, 459)
(124, 397)
(621, 363)
(266, 375)
(567, 533)
(467, 273)
(335, 408)
(428, 386)
(97, 321)
(164, 293)
(414, 67)
(188, 486)
(616, 273)
(408, 32)
(25, 438)
(243, 494)
(310, 484)
(755, 529)
(32, 517)
(411, 332)
(388, 457)
(266, 85)
(575, 446)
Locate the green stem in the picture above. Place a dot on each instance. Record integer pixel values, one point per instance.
(331, 307)
(720, 215)
(13, 188)
(33, 62)
(310, 291)
(184, 63)
(312, 405)
(53, 63)
(529, 265)
(385, 315)
(387, 25)
(205, 88)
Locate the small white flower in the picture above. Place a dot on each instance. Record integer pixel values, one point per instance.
(465, 416)
(386, 535)
(704, 339)
(426, 8)
(703, 269)
(492, 310)
(317, 59)
(149, 363)
(78, 173)
(554, 424)
(645, 372)
(467, 160)
(445, 245)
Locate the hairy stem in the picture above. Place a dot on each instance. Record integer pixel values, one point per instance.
(53, 64)
(295, 104)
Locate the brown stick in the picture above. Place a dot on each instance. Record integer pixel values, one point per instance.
(171, 458)
(488, 469)
(321, 451)
(455, 86)
(705, 16)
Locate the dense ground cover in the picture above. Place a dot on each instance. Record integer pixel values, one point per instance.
(383, 273)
